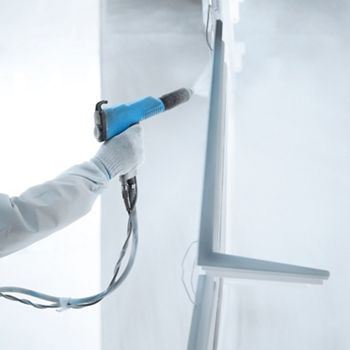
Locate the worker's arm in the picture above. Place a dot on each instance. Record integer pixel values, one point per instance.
(46, 208)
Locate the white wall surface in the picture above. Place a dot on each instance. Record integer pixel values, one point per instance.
(49, 82)
(291, 189)
(151, 48)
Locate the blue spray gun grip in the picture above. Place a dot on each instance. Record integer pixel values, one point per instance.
(114, 120)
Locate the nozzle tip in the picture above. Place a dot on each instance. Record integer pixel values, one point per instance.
(175, 98)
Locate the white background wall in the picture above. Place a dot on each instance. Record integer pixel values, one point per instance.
(151, 48)
(49, 82)
(292, 188)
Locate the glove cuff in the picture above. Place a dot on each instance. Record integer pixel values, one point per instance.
(102, 167)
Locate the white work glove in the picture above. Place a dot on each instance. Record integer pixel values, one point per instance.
(121, 154)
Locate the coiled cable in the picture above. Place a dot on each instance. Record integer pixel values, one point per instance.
(129, 192)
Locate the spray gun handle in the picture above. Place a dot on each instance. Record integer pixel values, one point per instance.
(129, 190)
(131, 174)
(124, 178)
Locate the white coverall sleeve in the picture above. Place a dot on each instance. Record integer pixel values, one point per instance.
(48, 207)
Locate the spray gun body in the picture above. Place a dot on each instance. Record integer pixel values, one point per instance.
(114, 120)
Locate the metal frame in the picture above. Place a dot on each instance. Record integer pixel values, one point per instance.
(216, 264)
(203, 315)
(213, 262)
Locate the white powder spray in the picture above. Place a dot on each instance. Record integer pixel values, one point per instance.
(202, 85)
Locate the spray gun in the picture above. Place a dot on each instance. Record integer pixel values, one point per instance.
(114, 120)
(109, 122)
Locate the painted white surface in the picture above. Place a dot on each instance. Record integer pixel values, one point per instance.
(291, 187)
(49, 82)
(151, 48)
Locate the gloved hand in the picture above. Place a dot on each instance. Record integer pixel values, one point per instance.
(121, 154)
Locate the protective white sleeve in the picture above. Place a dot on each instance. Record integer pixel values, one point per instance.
(46, 208)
